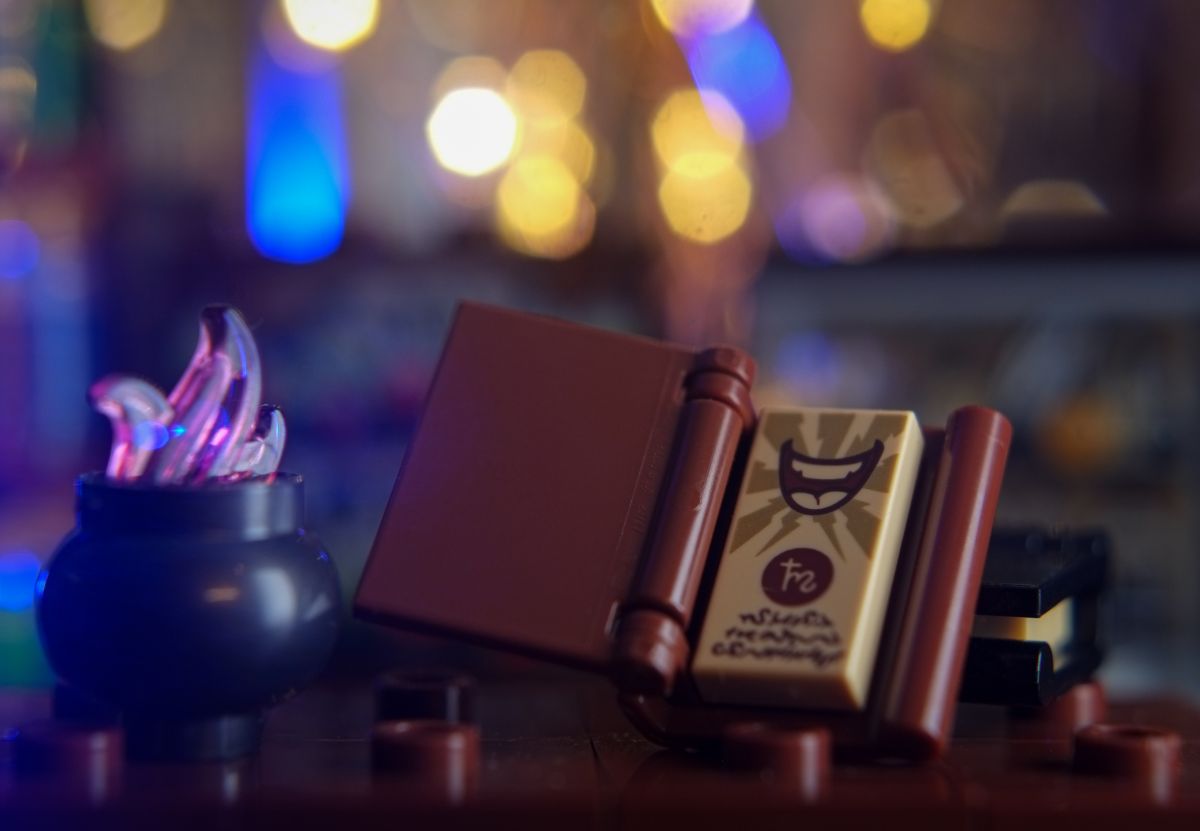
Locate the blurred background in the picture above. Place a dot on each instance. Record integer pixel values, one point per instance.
(891, 203)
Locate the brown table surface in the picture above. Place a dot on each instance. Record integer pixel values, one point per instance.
(561, 754)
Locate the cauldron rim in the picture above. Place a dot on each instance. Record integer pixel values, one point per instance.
(248, 509)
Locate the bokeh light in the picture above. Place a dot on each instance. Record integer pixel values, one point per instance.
(472, 131)
(18, 97)
(567, 141)
(694, 18)
(895, 25)
(810, 365)
(19, 249)
(124, 24)
(839, 218)
(706, 208)
(18, 91)
(287, 49)
(18, 579)
(538, 195)
(469, 71)
(546, 85)
(745, 65)
(1081, 435)
(1053, 198)
(697, 130)
(542, 210)
(542, 206)
(907, 162)
(705, 191)
(296, 168)
(334, 25)
(461, 26)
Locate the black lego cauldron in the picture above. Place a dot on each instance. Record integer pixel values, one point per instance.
(189, 610)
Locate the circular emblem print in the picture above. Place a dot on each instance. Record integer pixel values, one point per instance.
(797, 576)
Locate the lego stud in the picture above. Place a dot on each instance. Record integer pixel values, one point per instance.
(799, 758)
(1147, 755)
(1045, 734)
(439, 758)
(83, 759)
(1081, 706)
(431, 695)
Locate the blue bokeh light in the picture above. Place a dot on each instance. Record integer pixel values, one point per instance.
(296, 183)
(745, 65)
(18, 580)
(20, 249)
(809, 363)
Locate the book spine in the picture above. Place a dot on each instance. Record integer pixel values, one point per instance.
(651, 643)
(918, 708)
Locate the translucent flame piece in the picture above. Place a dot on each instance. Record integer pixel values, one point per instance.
(195, 418)
(260, 455)
(241, 402)
(138, 413)
(210, 427)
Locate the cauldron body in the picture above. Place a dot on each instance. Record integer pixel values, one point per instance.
(189, 610)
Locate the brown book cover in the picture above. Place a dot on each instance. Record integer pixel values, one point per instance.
(527, 495)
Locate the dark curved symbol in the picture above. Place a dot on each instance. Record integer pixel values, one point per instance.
(797, 576)
(819, 486)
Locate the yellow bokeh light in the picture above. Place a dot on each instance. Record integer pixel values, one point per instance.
(18, 91)
(334, 25)
(124, 24)
(538, 195)
(895, 25)
(546, 84)
(706, 209)
(691, 18)
(906, 160)
(1063, 198)
(697, 132)
(469, 71)
(566, 141)
(472, 131)
(541, 209)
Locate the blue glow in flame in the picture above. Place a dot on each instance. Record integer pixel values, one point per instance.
(150, 435)
(18, 580)
(296, 183)
(745, 65)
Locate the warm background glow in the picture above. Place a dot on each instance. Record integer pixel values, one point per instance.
(706, 208)
(332, 24)
(124, 24)
(542, 210)
(472, 131)
(896, 25)
(691, 18)
(705, 191)
(696, 130)
(546, 84)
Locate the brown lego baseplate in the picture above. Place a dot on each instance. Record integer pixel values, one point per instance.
(558, 753)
